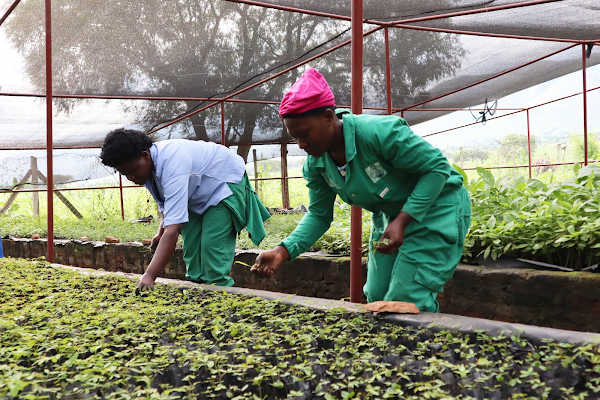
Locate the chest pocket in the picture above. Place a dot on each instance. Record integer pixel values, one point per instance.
(333, 184)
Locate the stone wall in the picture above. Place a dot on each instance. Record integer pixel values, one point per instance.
(553, 299)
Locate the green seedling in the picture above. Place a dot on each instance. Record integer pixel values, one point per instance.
(377, 243)
(247, 265)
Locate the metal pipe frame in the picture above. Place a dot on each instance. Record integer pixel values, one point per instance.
(487, 34)
(223, 123)
(585, 120)
(526, 166)
(388, 71)
(50, 173)
(357, 35)
(231, 100)
(471, 12)
(347, 42)
(303, 11)
(490, 77)
(121, 196)
(529, 143)
(9, 11)
(357, 108)
(505, 115)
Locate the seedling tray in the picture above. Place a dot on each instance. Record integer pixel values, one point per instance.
(71, 335)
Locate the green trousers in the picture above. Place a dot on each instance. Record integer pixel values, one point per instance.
(209, 246)
(209, 239)
(428, 257)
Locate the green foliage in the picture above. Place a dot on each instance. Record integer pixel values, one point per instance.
(69, 335)
(555, 222)
(578, 146)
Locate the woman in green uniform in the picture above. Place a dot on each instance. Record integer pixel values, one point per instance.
(203, 193)
(421, 210)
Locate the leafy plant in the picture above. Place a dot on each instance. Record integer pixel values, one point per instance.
(556, 223)
(65, 334)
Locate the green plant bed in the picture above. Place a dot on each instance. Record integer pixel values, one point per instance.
(556, 223)
(72, 336)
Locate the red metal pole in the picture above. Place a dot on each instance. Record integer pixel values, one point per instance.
(388, 71)
(121, 196)
(347, 42)
(9, 11)
(223, 123)
(528, 143)
(357, 108)
(50, 173)
(585, 127)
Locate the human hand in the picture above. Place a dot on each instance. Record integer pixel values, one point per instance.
(155, 240)
(269, 261)
(393, 236)
(145, 282)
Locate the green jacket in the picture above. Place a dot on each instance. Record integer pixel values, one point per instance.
(389, 169)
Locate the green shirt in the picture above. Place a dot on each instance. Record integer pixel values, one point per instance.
(388, 169)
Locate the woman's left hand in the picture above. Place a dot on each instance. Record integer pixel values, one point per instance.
(394, 233)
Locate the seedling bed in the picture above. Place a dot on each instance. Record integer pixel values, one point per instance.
(66, 335)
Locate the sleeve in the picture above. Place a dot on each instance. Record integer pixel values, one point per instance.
(408, 152)
(318, 219)
(175, 183)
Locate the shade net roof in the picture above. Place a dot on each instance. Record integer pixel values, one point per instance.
(202, 50)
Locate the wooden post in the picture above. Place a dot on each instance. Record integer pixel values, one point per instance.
(60, 196)
(13, 195)
(558, 148)
(285, 191)
(255, 171)
(34, 185)
(461, 157)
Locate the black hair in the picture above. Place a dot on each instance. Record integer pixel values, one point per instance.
(122, 145)
(311, 113)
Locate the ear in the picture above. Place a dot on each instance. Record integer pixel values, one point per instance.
(329, 115)
(146, 155)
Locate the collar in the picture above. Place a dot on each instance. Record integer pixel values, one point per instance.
(349, 132)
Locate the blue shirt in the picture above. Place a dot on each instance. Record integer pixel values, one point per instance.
(191, 175)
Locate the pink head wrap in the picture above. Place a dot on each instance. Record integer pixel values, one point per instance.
(309, 92)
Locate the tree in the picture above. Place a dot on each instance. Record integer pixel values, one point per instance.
(204, 48)
(471, 155)
(514, 147)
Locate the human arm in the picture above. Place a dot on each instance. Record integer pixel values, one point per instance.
(159, 233)
(161, 257)
(398, 146)
(312, 226)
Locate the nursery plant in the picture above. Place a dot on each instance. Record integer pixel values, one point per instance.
(557, 223)
(67, 335)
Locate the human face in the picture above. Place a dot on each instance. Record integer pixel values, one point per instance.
(313, 134)
(137, 170)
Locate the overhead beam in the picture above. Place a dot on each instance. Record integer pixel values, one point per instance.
(347, 42)
(489, 78)
(9, 11)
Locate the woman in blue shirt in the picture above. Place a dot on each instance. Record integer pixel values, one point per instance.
(203, 193)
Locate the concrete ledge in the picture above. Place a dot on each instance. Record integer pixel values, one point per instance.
(438, 322)
(559, 300)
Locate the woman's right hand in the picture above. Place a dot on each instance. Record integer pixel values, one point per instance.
(269, 261)
(155, 241)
